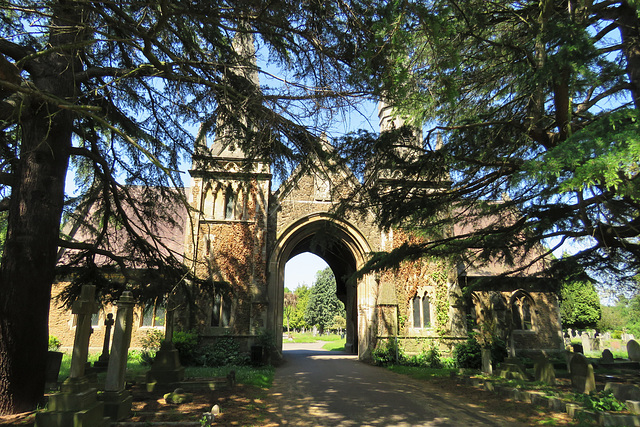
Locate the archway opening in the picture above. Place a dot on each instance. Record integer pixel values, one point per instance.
(343, 249)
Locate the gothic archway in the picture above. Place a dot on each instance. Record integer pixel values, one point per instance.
(345, 250)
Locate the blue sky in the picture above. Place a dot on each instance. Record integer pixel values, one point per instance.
(302, 269)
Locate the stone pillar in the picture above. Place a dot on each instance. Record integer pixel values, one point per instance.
(76, 404)
(103, 360)
(486, 361)
(166, 370)
(116, 399)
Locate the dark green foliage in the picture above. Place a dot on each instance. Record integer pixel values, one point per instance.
(499, 350)
(468, 354)
(579, 305)
(428, 358)
(186, 342)
(600, 401)
(387, 353)
(535, 141)
(224, 351)
(324, 305)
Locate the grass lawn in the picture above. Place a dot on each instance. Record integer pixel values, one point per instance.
(303, 337)
(249, 375)
(420, 372)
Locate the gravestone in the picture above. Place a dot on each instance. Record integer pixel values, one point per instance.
(544, 371)
(586, 343)
(486, 361)
(103, 360)
(582, 377)
(633, 350)
(607, 356)
(77, 403)
(166, 370)
(117, 400)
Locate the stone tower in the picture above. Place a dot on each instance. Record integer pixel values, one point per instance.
(226, 234)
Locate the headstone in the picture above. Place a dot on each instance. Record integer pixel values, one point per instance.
(512, 368)
(633, 350)
(570, 331)
(77, 404)
(103, 360)
(544, 371)
(582, 377)
(623, 392)
(486, 361)
(586, 343)
(166, 370)
(607, 356)
(606, 335)
(117, 400)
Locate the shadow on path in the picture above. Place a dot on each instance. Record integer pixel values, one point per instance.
(315, 387)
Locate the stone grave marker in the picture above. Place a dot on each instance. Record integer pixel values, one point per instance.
(586, 343)
(544, 371)
(103, 360)
(116, 399)
(607, 356)
(77, 403)
(582, 377)
(633, 350)
(166, 370)
(486, 361)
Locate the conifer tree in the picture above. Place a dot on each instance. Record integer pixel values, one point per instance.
(531, 134)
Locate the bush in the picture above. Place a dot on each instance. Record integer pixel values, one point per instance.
(150, 345)
(384, 355)
(186, 342)
(225, 351)
(499, 350)
(468, 354)
(54, 343)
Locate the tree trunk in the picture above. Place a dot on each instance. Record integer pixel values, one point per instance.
(630, 33)
(37, 198)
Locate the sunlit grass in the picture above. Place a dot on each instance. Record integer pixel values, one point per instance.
(261, 376)
(335, 345)
(306, 337)
(420, 372)
(256, 376)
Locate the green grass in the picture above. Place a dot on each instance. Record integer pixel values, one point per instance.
(299, 337)
(335, 345)
(257, 376)
(249, 375)
(421, 373)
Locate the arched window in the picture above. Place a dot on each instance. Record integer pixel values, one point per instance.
(521, 311)
(421, 308)
(221, 314)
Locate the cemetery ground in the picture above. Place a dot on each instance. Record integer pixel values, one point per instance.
(253, 401)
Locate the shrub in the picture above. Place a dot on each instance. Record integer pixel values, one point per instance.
(54, 343)
(225, 351)
(186, 342)
(432, 358)
(386, 354)
(150, 345)
(468, 354)
(499, 350)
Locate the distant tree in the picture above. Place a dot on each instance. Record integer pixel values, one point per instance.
(324, 304)
(290, 300)
(297, 320)
(579, 304)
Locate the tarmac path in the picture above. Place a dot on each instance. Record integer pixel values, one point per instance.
(315, 387)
